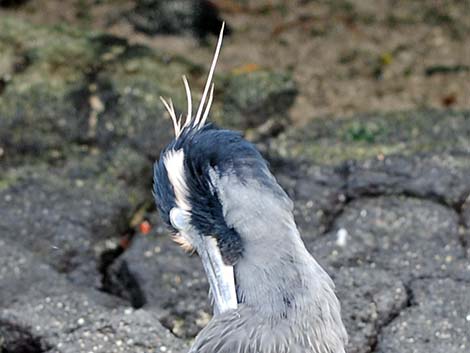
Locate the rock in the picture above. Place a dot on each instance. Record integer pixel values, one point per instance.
(65, 323)
(133, 115)
(333, 141)
(14, 338)
(198, 17)
(63, 88)
(319, 194)
(42, 311)
(409, 237)
(61, 54)
(370, 298)
(170, 283)
(437, 321)
(22, 275)
(65, 215)
(29, 123)
(251, 98)
(443, 178)
(66, 242)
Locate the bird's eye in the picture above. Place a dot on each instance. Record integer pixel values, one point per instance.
(179, 218)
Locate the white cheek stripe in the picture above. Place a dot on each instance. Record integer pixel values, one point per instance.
(174, 164)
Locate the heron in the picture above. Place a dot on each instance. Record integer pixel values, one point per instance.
(216, 193)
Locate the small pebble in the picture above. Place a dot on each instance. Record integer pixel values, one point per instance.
(342, 237)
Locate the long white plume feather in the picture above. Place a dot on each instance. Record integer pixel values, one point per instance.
(188, 97)
(171, 111)
(208, 107)
(209, 77)
(199, 119)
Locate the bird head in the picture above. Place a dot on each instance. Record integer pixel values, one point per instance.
(209, 183)
(186, 193)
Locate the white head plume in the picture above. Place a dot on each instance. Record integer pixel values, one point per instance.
(200, 118)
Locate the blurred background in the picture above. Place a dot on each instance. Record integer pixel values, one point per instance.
(361, 107)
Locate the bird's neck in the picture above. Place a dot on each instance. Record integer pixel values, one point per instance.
(283, 284)
(280, 279)
(286, 298)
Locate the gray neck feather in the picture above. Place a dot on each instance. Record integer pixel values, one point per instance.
(287, 300)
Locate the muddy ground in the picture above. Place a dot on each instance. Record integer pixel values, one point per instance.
(362, 109)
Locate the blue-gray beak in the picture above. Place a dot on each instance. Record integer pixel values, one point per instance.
(220, 276)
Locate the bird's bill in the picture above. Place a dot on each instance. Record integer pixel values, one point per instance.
(220, 276)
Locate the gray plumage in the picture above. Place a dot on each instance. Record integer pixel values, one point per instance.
(289, 305)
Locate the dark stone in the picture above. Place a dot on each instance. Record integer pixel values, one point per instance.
(335, 140)
(198, 17)
(37, 207)
(40, 311)
(411, 238)
(443, 178)
(172, 283)
(93, 91)
(15, 339)
(22, 275)
(133, 114)
(84, 320)
(252, 98)
(437, 321)
(64, 216)
(319, 193)
(370, 298)
(119, 110)
(36, 122)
